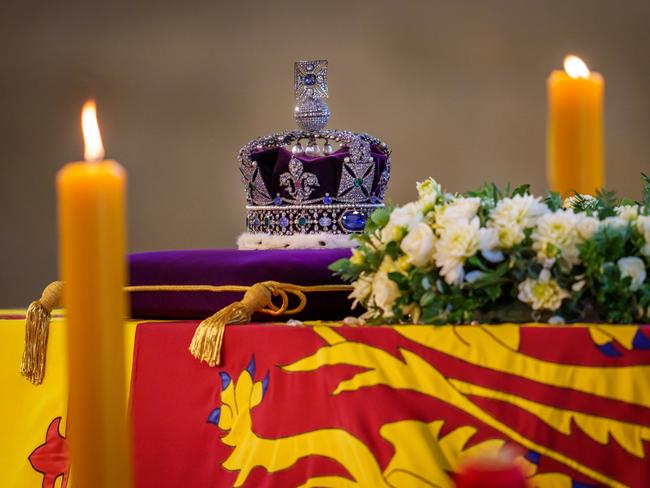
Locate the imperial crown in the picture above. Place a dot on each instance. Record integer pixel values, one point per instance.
(311, 196)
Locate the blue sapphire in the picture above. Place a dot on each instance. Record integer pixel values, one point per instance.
(256, 222)
(354, 221)
(325, 221)
(284, 222)
(310, 79)
(277, 200)
(327, 200)
(374, 199)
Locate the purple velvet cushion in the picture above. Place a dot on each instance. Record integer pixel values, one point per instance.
(232, 267)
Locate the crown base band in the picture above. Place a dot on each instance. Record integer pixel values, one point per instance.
(308, 219)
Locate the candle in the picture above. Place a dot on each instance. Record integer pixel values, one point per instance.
(91, 201)
(575, 129)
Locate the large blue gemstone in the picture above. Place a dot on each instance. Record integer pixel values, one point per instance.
(277, 200)
(354, 221)
(284, 222)
(310, 79)
(327, 200)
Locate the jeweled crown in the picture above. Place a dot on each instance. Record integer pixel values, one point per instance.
(312, 189)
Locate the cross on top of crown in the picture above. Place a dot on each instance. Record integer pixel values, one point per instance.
(310, 79)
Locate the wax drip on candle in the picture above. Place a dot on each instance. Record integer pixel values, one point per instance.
(94, 149)
(575, 67)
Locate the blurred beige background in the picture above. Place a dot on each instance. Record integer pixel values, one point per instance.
(457, 88)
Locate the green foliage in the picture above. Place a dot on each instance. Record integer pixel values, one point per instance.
(581, 203)
(378, 219)
(613, 298)
(607, 203)
(521, 190)
(646, 189)
(553, 201)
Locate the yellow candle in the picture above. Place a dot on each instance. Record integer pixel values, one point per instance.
(91, 197)
(575, 129)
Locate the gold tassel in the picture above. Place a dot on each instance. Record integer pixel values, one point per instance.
(37, 327)
(208, 337)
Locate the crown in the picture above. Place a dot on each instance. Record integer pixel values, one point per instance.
(311, 196)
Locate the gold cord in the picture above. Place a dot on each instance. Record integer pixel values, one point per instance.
(208, 337)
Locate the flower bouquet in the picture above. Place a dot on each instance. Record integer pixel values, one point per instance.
(503, 256)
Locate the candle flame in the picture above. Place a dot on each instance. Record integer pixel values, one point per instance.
(94, 149)
(575, 67)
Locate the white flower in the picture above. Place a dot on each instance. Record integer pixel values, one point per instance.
(634, 267)
(472, 276)
(458, 242)
(459, 209)
(615, 223)
(628, 212)
(402, 218)
(384, 293)
(361, 289)
(586, 226)
(555, 237)
(643, 226)
(578, 285)
(543, 293)
(430, 194)
(429, 187)
(388, 265)
(512, 216)
(418, 244)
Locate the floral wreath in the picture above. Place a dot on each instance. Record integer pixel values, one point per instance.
(504, 256)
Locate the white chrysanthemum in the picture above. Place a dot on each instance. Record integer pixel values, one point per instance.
(402, 219)
(628, 212)
(512, 216)
(643, 226)
(556, 237)
(458, 209)
(543, 293)
(456, 244)
(634, 268)
(361, 289)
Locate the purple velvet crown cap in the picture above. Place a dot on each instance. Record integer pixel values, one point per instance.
(232, 267)
(329, 169)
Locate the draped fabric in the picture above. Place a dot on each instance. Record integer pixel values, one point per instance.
(325, 405)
